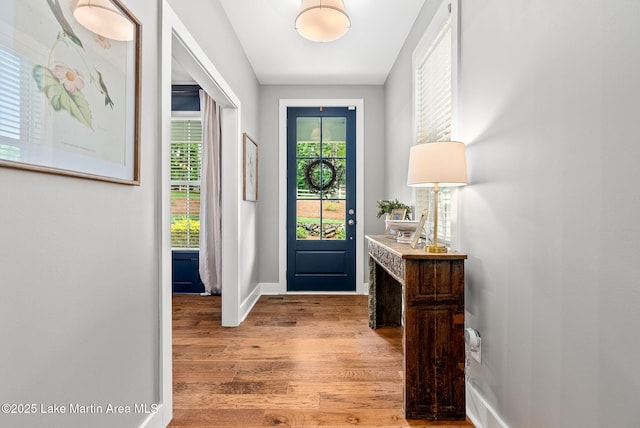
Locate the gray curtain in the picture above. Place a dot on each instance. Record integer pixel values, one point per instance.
(210, 203)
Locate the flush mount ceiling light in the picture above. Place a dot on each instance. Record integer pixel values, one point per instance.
(103, 18)
(322, 20)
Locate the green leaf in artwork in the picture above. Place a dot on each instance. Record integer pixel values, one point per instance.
(73, 102)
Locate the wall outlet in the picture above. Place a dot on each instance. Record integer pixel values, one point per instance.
(474, 344)
(476, 354)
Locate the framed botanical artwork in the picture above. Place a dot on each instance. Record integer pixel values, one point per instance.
(70, 96)
(250, 182)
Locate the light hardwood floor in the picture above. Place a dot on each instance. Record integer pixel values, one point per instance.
(296, 361)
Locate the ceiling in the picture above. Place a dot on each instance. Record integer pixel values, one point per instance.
(279, 55)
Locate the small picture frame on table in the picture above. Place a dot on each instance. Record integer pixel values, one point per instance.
(419, 229)
(396, 214)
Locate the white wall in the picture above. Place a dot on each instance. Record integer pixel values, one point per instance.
(79, 281)
(549, 109)
(270, 96)
(399, 111)
(214, 34)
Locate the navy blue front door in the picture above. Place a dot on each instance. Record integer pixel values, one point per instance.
(321, 232)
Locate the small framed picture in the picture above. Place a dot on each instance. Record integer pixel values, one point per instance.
(397, 214)
(250, 182)
(420, 228)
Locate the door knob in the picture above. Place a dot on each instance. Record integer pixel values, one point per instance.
(351, 222)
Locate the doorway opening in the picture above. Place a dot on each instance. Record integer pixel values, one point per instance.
(187, 170)
(180, 48)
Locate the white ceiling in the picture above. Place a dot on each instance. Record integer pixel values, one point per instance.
(279, 55)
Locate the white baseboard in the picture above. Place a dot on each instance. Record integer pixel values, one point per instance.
(273, 288)
(249, 303)
(364, 290)
(157, 419)
(269, 288)
(480, 412)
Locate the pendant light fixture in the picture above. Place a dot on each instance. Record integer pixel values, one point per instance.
(322, 20)
(103, 18)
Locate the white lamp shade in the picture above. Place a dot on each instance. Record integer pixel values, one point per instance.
(442, 162)
(104, 19)
(322, 20)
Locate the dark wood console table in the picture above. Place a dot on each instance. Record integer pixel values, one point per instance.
(431, 286)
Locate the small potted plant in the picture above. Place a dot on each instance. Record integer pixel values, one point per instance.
(388, 207)
(397, 219)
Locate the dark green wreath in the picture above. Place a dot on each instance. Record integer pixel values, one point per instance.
(320, 185)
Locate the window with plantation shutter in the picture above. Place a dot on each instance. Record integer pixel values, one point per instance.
(20, 109)
(433, 89)
(433, 107)
(186, 165)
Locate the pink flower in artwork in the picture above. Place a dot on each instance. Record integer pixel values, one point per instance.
(71, 79)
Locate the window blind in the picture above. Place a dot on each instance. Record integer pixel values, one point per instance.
(186, 150)
(10, 96)
(186, 167)
(433, 114)
(20, 106)
(433, 90)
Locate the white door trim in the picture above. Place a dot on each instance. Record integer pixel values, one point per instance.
(282, 183)
(177, 42)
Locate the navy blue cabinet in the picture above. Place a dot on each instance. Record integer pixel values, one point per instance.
(186, 278)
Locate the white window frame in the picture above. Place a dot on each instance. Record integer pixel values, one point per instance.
(447, 8)
(186, 115)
